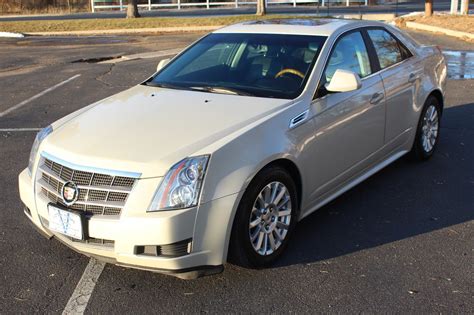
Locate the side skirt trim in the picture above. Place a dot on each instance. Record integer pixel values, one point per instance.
(355, 182)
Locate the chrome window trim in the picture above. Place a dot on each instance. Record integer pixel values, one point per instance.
(90, 168)
(359, 29)
(390, 67)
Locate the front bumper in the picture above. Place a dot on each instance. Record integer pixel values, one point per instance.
(207, 228)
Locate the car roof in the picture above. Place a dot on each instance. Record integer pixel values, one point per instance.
(316, 26)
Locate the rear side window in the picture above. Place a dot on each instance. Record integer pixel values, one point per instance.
(387, 48)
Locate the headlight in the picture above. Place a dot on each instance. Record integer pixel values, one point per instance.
(181, 186)
(43, 133)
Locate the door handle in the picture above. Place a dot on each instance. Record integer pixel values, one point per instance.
(376, 98)
(412, 78)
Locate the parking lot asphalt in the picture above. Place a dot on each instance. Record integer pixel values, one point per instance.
(402, 241)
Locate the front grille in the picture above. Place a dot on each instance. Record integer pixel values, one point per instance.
(99, 194)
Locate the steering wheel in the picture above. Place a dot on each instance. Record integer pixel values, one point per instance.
(291, 71)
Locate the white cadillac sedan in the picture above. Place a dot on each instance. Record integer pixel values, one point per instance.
(220, 153)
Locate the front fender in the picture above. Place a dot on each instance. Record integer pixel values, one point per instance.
(236, 163)
(233, 166)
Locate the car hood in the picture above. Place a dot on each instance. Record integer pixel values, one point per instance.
(147, 129)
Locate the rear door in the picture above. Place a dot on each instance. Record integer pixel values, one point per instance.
(399, 75)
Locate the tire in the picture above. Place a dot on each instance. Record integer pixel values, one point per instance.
(423, 149)
(244, 247)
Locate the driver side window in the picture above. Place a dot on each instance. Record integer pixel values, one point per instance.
(349, 54)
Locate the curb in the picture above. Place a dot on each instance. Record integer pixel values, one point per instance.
(129, 31)
(436, 29)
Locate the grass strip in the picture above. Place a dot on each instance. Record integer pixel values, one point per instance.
(113, 24)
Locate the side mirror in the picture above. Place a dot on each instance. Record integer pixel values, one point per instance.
(162, 63)
(344, 81)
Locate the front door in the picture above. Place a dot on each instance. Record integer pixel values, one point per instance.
(349, 126)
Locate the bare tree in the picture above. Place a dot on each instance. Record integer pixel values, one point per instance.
(428, 7)
(261, 7)
(132, 9)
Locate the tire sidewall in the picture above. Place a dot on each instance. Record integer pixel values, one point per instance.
(418, 149)
(241, 247)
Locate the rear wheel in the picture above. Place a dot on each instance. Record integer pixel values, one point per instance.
(427, 133)
(265, 219)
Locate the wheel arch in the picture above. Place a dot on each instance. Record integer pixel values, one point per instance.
(284, 162)
(294, 172)
(439, 96)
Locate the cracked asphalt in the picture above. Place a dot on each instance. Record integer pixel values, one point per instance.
(401, 242)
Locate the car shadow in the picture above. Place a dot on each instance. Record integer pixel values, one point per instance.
(406, 199)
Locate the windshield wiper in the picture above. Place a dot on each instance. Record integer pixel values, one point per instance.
(221, 89)
(165, 85)
(211, 89)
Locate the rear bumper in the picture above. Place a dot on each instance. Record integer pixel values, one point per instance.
(121, 236)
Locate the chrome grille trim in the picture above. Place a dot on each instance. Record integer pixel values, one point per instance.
(90, 169)
(99, 193)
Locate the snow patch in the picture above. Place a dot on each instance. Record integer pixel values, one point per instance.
(12, 35)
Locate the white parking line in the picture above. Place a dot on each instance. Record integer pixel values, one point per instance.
(11, 109)
(19, 129)
(80, 297)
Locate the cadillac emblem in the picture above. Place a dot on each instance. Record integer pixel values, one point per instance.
(70, 192)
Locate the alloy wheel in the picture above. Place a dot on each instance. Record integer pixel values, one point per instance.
(270, 218)
(429, 129)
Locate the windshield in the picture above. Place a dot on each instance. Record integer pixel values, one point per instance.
(263, 65)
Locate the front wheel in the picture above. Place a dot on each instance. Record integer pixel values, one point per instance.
(427, 133)
(265, 219)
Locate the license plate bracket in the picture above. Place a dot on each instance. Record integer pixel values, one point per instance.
(68, 222)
